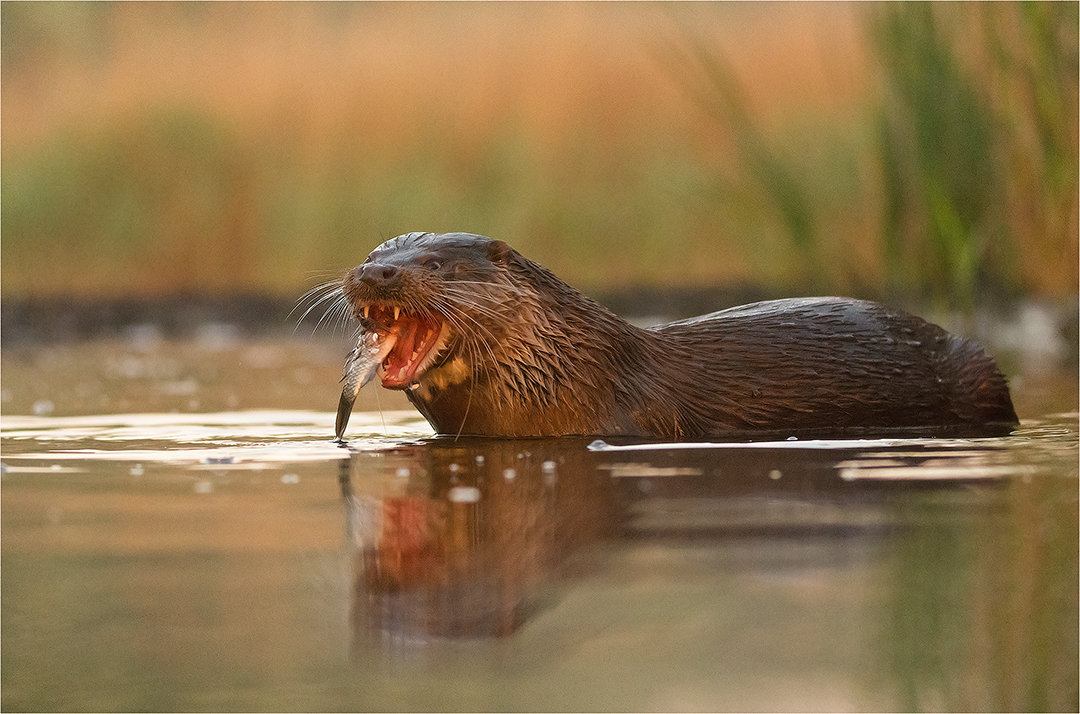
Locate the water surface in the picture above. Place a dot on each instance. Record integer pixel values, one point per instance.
(238, 559)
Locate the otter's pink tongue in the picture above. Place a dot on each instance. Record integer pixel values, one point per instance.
(412, 339)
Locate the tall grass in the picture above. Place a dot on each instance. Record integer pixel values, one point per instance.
(770, 184)
(974, 140)
(175, 201)
(157, 204)
(162, 148)
(939, 162)
(966, 91)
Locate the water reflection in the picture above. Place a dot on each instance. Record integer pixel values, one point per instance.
(473, 530)
(476, 530)
(980, 606)
(539, 573)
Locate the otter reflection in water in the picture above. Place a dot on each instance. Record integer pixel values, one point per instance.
(487, 342)
(467, 534)
(473, 538)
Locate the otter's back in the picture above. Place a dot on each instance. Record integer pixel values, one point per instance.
(832, 362)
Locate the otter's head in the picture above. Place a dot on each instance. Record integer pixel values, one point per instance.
(429, 299)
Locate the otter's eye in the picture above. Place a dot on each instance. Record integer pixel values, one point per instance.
(432, 265)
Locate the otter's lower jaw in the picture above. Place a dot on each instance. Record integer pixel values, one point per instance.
(408, 374)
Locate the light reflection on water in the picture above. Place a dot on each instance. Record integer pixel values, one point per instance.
(241, 560)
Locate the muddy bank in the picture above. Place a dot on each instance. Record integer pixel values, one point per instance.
(46, 320)
(1046, 331)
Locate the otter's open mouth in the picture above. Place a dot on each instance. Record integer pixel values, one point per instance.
(410, 340)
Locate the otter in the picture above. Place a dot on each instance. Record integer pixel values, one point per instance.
(488, 343)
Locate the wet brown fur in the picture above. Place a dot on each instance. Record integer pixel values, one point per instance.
(531, 356)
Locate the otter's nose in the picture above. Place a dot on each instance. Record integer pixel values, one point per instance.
(375, 274)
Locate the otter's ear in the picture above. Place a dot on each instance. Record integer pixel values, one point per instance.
(499, 252)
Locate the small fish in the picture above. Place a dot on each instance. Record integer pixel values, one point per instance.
(359, 369)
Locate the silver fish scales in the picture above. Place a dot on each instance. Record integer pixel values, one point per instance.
(360, 367)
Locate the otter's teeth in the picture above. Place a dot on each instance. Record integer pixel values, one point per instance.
(366, 308)
(414, 386)
(397, 312)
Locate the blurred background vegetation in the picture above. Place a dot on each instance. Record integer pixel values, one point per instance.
(916, 152)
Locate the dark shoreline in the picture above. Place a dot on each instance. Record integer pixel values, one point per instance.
(31, 321)
(27, 321)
